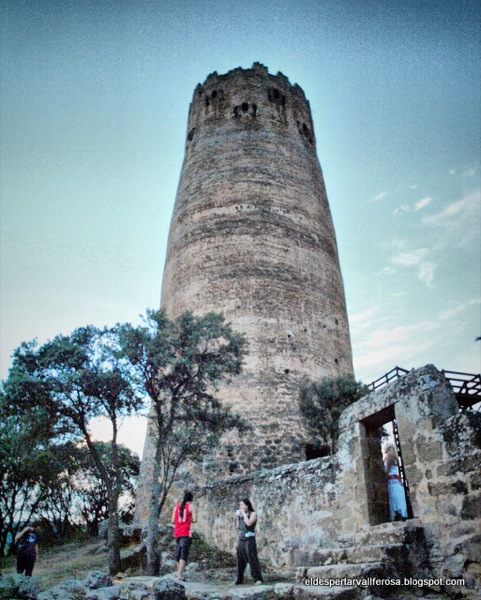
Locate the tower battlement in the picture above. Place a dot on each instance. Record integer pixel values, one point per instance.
(250, 98)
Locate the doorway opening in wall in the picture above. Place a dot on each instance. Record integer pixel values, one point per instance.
(380, 431)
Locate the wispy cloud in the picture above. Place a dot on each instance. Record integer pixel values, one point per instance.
(386, 346)
(380, 196)
(425, 269)
(422, 203)
(459, 221)
(463, 209)
(409, 259)
(404, 208)
(458, 308)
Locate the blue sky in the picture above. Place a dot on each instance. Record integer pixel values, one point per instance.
(94, 102)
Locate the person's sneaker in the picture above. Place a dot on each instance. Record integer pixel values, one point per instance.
(259, 582)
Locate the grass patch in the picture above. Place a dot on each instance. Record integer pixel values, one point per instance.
(202, 551)
(69, 561)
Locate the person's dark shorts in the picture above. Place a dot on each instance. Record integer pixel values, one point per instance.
(183, 548)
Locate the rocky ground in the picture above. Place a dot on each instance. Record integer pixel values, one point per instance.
(209, 576)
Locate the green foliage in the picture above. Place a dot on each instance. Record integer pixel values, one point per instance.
(27, 466)
(53, 391)
(71, 380)
(179, 365)
(322, 403)
(90, 492)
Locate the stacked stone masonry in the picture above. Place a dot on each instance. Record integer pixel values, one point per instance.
(320, 516)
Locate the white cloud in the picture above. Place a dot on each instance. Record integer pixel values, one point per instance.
(425, 269)
(459, 222)
(422, 203)
(387, 346)
(463, 209)
(409, 259)
(380, 196)
(418, 206)
(458, 308)
(426, 273)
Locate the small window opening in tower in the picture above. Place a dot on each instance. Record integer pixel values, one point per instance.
(315, 451)
(276, 94)
(191, 134)
(378, 432)
(214, 94)
(254, 110)
(286, 371)
(207, 101)
(236, 111)
(304, 128)
(245, 106)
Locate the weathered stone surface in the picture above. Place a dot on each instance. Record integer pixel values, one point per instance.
(133, 557)
(107, 593)
(318, 512)
(8, 588)
(97, 579)
(471, 508)
(69, 590)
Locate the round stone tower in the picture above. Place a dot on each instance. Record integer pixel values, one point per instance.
(252, 237)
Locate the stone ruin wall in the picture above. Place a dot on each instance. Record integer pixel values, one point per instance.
(310, 506)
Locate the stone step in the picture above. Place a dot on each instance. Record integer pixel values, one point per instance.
(321, 592)
(383, 534)
(355, 554)
(314, 575)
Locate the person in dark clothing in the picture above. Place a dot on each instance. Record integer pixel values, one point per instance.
(246, 519)
(27, 554)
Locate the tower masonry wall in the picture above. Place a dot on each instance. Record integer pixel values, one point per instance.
(252, 237)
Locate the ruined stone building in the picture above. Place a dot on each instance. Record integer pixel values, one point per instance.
(328, 518)
(252, 238)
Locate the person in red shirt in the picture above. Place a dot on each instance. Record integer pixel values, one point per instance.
(183, 516)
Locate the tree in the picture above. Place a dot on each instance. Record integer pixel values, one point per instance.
(25, 466)
(179, 365)
(322, 403)
(73, 379)
(90, 492)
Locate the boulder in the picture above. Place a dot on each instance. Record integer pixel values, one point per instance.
(107, 593)
(69, 590)
(97, 579)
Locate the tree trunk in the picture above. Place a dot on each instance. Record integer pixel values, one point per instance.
(153, 556)
(113, 541)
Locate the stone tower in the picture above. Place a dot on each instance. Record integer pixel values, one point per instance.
(252, 237)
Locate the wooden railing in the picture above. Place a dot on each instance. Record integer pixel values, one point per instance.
(388, 378)
(466, 386)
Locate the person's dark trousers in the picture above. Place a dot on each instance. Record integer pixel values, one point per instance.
(25, 564)
(247, 555)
